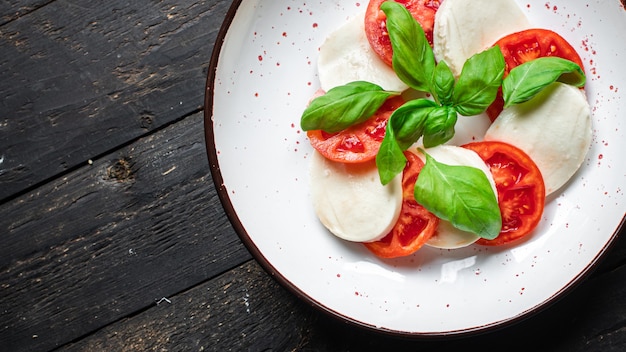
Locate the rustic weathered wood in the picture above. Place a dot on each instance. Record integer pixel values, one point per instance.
(110, 238)
(13, 9)
(245, 309)
(89, 76)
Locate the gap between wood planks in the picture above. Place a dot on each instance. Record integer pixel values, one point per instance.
(24, 12)
(157, 303)
(141, 276)
(97, 157)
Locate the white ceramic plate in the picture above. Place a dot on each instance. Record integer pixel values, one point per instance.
(263, 72)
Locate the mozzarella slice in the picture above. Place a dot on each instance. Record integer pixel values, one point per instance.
(466, 27)
(448, 236)
(469, 129)
(346, 56)
(554, 129)
(350, 200)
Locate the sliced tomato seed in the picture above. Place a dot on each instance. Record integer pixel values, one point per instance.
(505, 172)
(415, 226)
(327, 135)
(377, 131)
(521, 195)
(351, 143)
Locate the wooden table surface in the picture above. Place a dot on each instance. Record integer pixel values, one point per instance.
(112, 236)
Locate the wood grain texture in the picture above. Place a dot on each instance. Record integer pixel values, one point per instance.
(110, 238)
(89, 77)
(246, 310)
(243, 310)
(13, 9)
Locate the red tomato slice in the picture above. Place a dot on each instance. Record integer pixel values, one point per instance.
(376, 28)
(358, 143)
(527, 45)
(521, 191)
(416, 224)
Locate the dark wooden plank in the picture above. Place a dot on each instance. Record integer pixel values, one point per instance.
(243, 310)
(110, 238)
(246, 310)
(13, 9)
(89, 76)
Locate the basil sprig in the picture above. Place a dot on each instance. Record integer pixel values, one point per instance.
(406, 127)
(528, 79)
(344, 106)
(479, 82)
(413, 61)
(461, 195)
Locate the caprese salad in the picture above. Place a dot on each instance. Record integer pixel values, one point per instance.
(443, 123)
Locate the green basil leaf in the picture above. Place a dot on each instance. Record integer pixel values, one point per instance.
(443, 83)
(413, 58)
(390, 159)
(344, 106)
(404, 128)
(478, 84)
(408, 121)
(439, 127)
(529, 78)
(461, 195)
